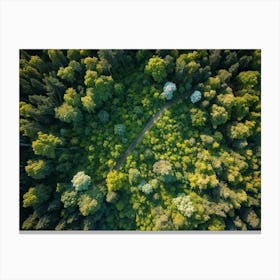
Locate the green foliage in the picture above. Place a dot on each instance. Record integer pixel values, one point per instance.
(206, 139)
(178, 220)
(156, 67)
(216, 224)
(46, 144)
(162, 167)
(25, 110)
(209, 95)
(241, 130)
(226, 100)
(116, 181)
(103, 116)
(90, 202)
(67, 113)
(57, 57)
(71, 97)
(248, 79)
(88, 101)
(30, 222)
(102, 150)
(224, 75)
(219, 115)
(187, 65)
(147, 189)
(134, 176)
(202, 181)
(54, 87)
(67, 74)
(119, 129)
(164, 170)
(36, 196)
(81, 181)
(90, 78)
(99, 90)
(37, 169)
(184, 205)
(38, 63)
(252, 219)
(69, 198)
(87, 205)
(154, 183)
(214, 82)
(104, 87)
(111, 197)
(198, 117)
(73, 54)
(91, 63)
(162, 219)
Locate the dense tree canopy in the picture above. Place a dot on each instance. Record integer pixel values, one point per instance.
(140, 139)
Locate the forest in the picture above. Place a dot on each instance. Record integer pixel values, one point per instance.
(140, 140)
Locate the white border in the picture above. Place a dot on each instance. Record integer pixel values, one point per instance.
(150, 24)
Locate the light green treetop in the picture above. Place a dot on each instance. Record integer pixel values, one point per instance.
(37, 169)
(157, 68)
(46, 144)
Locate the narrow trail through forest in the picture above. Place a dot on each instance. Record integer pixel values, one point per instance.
(140, 136)
(148, 126)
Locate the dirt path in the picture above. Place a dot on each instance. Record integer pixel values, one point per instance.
(139, 137)
(146, 128)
